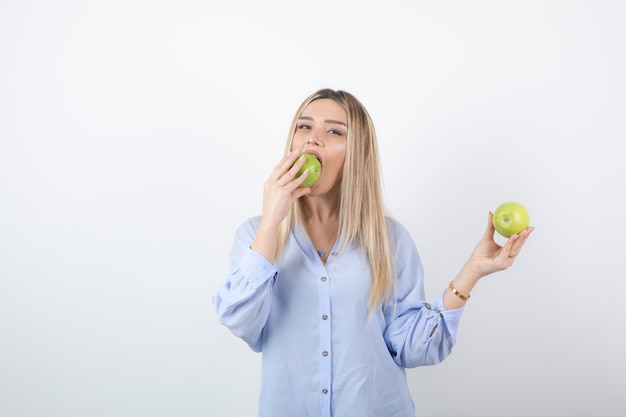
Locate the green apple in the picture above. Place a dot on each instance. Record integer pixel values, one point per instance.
(313, 165)
(510, 218)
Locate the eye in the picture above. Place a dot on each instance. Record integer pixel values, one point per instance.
(335, 132)
(304, 127)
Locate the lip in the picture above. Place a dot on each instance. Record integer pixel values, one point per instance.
(315, 154)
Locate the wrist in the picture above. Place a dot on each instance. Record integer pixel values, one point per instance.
(459, 294)
(469, 273)
(462, 285)
(265, 240)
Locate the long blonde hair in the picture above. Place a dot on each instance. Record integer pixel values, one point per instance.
(361, 209)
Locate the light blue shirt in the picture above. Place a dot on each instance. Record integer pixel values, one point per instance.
(322, 356)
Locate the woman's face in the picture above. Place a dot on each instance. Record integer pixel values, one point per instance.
(322, 131)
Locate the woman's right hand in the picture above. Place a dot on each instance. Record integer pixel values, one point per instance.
(281, 188)
(279, 193)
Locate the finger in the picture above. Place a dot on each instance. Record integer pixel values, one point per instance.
(291, 173)
(285, 164)
(300, 192)
(523, 236)
(515, 243)
(294, 182)
(490, 230)
(507, 248)
(294, 189)
(288, 168)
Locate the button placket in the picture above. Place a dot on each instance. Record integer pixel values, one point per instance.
(325, 358)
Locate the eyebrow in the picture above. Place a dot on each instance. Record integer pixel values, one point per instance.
(337, 122)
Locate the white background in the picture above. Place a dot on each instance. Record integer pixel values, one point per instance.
(135, 137)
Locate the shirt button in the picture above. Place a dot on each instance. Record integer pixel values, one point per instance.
(427, 306)
(324, 317)
(323, 279)
(437, 310)
(325, 390)
(324, 353)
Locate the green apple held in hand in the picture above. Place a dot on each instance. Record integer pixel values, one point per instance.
(313, 165)
(510, 218)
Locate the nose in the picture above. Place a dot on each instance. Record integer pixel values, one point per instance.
(312, 141)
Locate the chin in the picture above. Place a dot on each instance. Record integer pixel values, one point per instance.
(316, 190)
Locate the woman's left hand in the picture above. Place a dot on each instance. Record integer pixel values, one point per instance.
(489, 257)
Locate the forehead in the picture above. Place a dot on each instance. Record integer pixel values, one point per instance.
(325, 109)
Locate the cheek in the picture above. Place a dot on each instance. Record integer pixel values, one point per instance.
(338, 159)
(340, 152)
(299, 138)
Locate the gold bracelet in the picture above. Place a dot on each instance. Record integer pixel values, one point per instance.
(457, 293)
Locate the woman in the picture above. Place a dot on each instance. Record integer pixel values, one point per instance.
(330, 288)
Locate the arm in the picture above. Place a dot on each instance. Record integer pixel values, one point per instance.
(486, 258)
(418, 333)
(421, 333)
(279, 193)
(243, 302)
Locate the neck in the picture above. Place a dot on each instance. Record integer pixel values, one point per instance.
(321, 217)
(320, 210)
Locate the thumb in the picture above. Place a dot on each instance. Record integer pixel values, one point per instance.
(490, 230)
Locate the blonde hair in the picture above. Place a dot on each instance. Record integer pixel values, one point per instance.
(361, 210)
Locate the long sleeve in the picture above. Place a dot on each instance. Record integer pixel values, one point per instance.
(243, 302)
(418, 333)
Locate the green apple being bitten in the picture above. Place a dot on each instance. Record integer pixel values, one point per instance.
(510, 218)
(313, 165)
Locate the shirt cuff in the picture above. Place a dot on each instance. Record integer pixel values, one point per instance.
(451, 317)
(257, 268)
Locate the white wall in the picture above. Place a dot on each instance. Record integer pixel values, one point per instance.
(135, 136)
